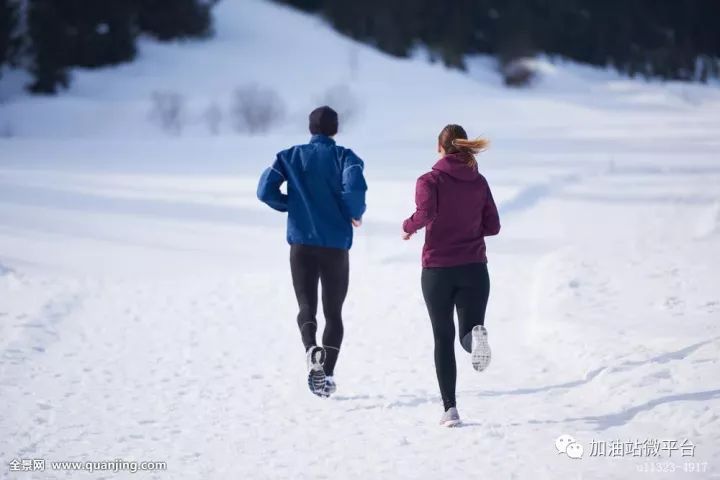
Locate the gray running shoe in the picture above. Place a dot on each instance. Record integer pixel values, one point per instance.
(450, 418)
(481, 353)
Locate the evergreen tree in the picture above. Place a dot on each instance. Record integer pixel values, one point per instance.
(49, 36)
(87, 33)
(8, 28)
(168, 19)
(663, 38)
(99, 33)
(92, 33)
(307, 5)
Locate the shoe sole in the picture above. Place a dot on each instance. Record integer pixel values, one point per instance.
(481, 353)
(316, 373)
(451, 423)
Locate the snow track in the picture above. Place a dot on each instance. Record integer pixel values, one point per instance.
(174, 345)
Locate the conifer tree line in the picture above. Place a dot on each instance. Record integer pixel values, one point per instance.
(9, 12)
(669, 39)
(52, 36)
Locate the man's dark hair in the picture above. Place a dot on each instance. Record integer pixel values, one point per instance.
(324, 121)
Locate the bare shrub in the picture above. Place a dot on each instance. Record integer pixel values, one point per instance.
(256, 109)
(341, 99)
(7, 131)
(213, 118)
(168, 111)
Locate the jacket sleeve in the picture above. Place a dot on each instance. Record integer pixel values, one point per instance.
(426, 205)
(491, 219)
(353, 186)
(268, 190)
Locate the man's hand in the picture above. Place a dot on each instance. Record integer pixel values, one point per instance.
(357, 222)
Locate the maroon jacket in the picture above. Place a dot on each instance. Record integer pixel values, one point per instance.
(455, 204)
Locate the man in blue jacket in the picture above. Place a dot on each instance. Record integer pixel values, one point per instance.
(325, 199)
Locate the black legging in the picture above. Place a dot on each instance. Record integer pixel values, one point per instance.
(465, 288)
(310, 265)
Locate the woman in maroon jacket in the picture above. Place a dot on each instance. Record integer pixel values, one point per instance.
(455, 206)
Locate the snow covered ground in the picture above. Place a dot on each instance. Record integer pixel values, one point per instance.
(146, 310)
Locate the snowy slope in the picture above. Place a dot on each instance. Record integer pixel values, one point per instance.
(146, 309)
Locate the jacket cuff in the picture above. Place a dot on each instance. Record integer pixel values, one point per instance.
(406, 227)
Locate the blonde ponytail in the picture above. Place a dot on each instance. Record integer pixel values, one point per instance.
(471, 146)
(453, 139)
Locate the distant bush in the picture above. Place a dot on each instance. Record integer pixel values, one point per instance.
(168, 111)
(213, 118)
(7, 131)
(518, 73)
(256, 109)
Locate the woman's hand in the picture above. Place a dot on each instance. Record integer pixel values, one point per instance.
(357, 222)
(405, 235)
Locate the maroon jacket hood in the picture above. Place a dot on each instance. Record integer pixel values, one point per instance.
(457, 210)
(454, 165)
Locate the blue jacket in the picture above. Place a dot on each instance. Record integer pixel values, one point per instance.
(325, 191)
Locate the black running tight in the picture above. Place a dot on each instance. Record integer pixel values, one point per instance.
(466, 289)
(311, 265)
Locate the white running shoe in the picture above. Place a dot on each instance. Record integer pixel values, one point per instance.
(451, 418)
(316, 374)
(481, 353)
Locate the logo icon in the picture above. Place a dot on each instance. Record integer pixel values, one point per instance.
(569, 446)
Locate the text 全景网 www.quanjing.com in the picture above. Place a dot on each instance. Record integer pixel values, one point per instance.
(115, 466)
